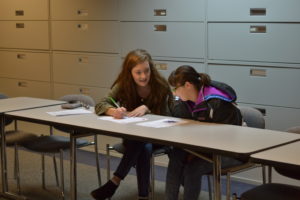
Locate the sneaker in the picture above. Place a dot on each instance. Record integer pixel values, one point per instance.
(105, 191)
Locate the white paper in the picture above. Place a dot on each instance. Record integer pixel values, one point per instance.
(162, 123)
(124, 120)
(78, 111)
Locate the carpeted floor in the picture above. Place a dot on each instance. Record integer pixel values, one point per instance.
(30, 167)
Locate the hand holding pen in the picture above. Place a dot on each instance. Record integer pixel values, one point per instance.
(118, 112)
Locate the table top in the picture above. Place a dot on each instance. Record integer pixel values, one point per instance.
(286, 155)
(208, 137)
(20, 103)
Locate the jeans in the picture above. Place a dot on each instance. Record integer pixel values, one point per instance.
(136, 154)
(189, 174)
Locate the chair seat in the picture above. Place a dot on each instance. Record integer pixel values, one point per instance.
(120, 148)
(274, 191)
(52, 143)
(18, 137)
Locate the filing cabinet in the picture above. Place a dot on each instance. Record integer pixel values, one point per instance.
(20, 87)
(253, 46)
(261, 85)
(24, 35)
(162, 10)
(254, 42)
(25, 65)
(164, 39)
(98, 70)
(24, 10)
(253, 10)
(84, 10)
(89, 36)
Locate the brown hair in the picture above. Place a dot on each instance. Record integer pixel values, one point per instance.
(160, 91)
(186, 73)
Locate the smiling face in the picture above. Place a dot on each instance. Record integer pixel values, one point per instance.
(141, 74)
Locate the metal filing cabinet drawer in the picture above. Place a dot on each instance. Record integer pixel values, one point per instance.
(84, 10)
(97, 70)
(95, 92)
(167, 67)
(18, 87)
(25, 65)
(164, 39)
(24, 34)
(260, 85)
(254, 10)
(162, 10)
(91, 36)
(24, 10)
(278, 118)
(254, 42)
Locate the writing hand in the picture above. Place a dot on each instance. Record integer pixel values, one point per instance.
(139, 111)
(119, 113)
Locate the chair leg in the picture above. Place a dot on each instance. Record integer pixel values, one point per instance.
(264, 174)
(55, 170)
(17, 169)
(152, 184)
(270, 174)
(97, 160)
(43, 171)
(228, 186)
(209, 187)
(108, 161)
(62, 185)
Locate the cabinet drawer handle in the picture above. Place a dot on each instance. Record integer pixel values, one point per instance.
(20, 25)
(19, 12)
(162, 28)
(21, 56)
(258, 11)
(22, 84)
(84, 90)
(258, 29)
(83, 12)
(160, 12)
(82, 26)
(258, 72)
(161, 66)
(83, 59)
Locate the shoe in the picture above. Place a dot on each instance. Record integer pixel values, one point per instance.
(105, 191)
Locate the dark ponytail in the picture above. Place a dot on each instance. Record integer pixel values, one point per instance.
(186, 73)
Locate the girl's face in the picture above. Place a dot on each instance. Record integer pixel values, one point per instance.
(186, 92)
(141, 74)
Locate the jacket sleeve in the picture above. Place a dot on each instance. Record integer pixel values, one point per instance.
(105, 103)
(224, 112)
(180, 109)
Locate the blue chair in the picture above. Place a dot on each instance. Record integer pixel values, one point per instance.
(56, 144)
(15, 138)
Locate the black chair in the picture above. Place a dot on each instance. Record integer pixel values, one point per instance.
(57, 144)
(15, 138)
(253, 118)
(277, 191)
(119, 147)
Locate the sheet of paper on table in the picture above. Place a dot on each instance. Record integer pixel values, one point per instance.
(162, 123)
(124, 120)
(78, 111)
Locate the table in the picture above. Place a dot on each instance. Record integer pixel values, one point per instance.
(14, 104)
(283, 156)
(219, 139)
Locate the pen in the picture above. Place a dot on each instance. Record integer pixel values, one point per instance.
(114, 102)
